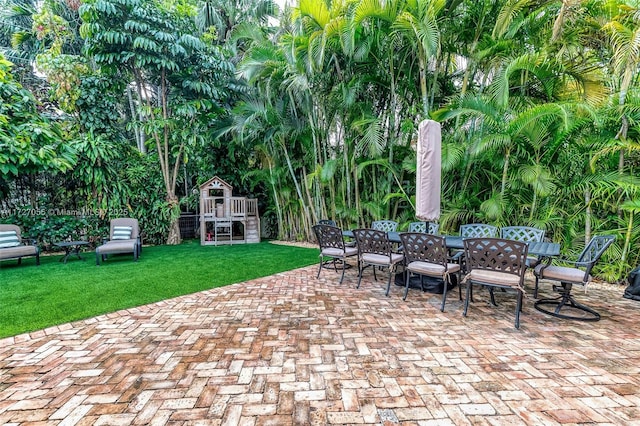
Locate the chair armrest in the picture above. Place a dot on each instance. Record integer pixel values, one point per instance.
(560, 260)
(457, 255)
(30, 242)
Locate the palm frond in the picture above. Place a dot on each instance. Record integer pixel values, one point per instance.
(372, 139)
(539, 178)
(506, 16)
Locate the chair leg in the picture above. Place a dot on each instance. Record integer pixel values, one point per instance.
(406, 286)
(535, 289)
(343, 268)
(391, 269)
(466, 302)
(445, 283)
(566, 300)
(492, 297)
(360, 270)
(518, 309)
(19, 261)
(38, 259)
(97, 259)
(320, 268)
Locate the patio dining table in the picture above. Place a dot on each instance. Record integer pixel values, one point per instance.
(536, 248)
(542, 249)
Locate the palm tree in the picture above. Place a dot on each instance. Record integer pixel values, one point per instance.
(418, 23)
(226, 16)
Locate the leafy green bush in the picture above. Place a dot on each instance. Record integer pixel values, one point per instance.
(47, 227)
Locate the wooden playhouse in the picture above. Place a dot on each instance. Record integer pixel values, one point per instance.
(225, 219)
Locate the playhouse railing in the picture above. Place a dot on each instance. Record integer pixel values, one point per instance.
(238, 207)
(252, 207)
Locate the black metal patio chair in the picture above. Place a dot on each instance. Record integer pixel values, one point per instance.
(526, 234)
(579, 274)
(384, 225)
(426, 255)
(495, 263)
(422, 227)
(375, 250)
(332, 245)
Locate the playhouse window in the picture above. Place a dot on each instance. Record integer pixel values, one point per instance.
(216, 192)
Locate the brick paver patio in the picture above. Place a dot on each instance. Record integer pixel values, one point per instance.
(290, 349)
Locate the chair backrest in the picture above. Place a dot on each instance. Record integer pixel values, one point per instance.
(329, 236)
(475, 230)
(522, 233)
(10, 236)
(384, 225)
(496, 254)
(418, 246)
(327, 222)
(592, 252)
(422, 227)
(11, 227)
(125, 222)
(373, 241)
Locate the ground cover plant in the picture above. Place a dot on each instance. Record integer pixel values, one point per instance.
(35, 297)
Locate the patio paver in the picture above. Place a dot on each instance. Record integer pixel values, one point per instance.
(290, 349)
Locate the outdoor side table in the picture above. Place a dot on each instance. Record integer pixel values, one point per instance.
(70, 247)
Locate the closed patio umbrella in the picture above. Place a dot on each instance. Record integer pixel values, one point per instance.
(429, 168)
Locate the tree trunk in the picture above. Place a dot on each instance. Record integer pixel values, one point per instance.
(627, 243)
(587, 215)
(295, 181)
(505, 171)
(356, 186)
(136, 115)
(279, 216)
(174, 222)
(174, 232)
(423, 82)
(313, 213)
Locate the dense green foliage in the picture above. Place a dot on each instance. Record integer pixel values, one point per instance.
(317, 116)
(29, 142)
(538, 101)
(33, 298)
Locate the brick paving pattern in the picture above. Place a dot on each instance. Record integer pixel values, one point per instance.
(293, 350)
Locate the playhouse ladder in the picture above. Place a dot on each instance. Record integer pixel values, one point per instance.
(222, 228)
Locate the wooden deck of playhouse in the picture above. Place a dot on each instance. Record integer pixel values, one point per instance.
(225, 219)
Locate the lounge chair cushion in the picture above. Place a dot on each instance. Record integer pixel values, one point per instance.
(18, 251)
(9, 239)
(117, 246)
(121, 233)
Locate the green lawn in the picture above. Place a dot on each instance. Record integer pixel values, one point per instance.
(35, 297)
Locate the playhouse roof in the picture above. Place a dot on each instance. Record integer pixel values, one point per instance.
(215, 183)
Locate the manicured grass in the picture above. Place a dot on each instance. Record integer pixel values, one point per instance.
(35, 297)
